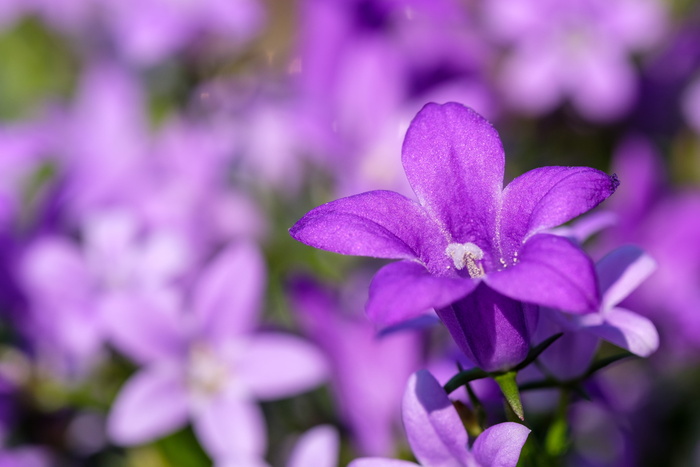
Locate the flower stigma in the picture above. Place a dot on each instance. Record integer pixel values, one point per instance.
(466, 254)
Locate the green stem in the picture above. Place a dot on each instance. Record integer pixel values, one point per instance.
(557, 439)
(509, 388)
(464, 377)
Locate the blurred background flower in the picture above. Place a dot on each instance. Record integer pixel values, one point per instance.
(154, 154)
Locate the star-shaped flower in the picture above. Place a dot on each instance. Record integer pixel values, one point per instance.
(465, 229)
(209, 366)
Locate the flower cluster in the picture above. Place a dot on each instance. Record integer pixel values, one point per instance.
(506, 192)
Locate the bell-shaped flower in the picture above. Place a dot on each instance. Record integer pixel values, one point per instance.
(466, 231)
(211, 368)
(438, 438)
(619, 274)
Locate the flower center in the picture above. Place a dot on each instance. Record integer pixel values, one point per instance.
(206, 373)
(466, 255)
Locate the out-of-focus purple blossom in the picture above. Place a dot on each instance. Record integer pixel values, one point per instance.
(177, 177)
(207, 365)
(193, 195)
(599, 438)
(369, 372)
(318, 447)
(666, 80)
(365, 67)
(438, 438)
(62, 322)
(619, 274)
(577, 50)
(106, 138)
(67, 286)
(691, 105)
(150, 31)
(26, 456)
(467, 242)
(272, 136)
(658, 219)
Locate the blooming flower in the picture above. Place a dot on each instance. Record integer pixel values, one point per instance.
(68, 285)
(466, 233)
(438, 438)
(619, 273)
(645, 216)
(211, 368)
(577, 50)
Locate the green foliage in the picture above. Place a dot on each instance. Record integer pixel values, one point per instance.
(36, 65)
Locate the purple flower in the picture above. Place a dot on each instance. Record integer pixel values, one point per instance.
(466, 233)
(25, 456)
(68, 286)
(438, 438)
(619, 273)
(658, 219)
(105, 138)
(576, 50)
(149, 31)
(208, 366)
(357, 356)
(366, 66)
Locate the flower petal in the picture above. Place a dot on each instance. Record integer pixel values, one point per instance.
(550, 271)
(571, 355)
(547, 197)
(228, 293)
(629, 331)
(584, 228)
(454, 161)
(143, 328)
(433, 427)
(621, 271)
(318, 447)
(151, 404)
(230, 427)
(500, 445)
(405, 290)
(381, 224)
(277, 365)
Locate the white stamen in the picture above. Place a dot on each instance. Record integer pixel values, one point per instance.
(466, 254)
